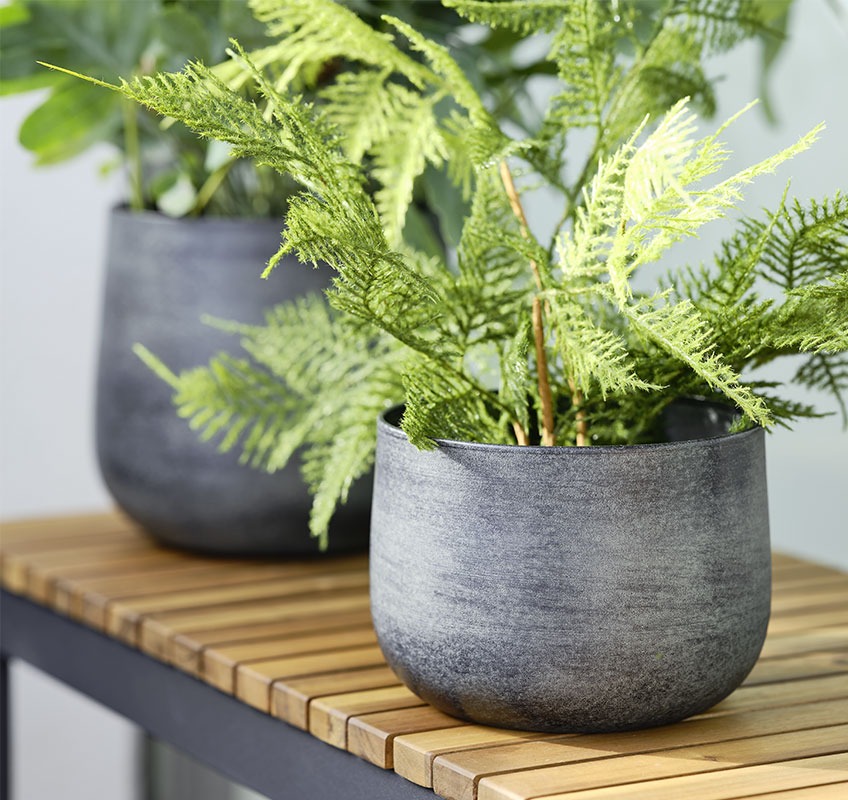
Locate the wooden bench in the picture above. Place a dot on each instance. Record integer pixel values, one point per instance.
(269, 671)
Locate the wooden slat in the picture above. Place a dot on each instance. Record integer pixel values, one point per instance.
(291, 699)
(825, 640)
(18, 567)
(831, 791)
(783, 560)
(415, 753)
(157, 632)
(831, 578)
(253, 681)
(807, 666)
(558, 780)
(206, 574)
(371, 736)
(329, 716)
(455, 774)
(57, 528)
(771, 695)
(729, 784)
(43, 583)
(836, 615)
(88, 599)
(220, 664)
(123, 618)
(187, 649)
(825, 595)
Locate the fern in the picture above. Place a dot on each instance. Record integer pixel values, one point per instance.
(508, 339)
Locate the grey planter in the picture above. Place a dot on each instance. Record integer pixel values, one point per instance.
(573, 589)
(162, 275)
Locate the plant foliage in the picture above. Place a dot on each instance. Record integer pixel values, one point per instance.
(513, 340)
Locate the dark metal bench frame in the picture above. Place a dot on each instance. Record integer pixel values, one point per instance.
(249, 747)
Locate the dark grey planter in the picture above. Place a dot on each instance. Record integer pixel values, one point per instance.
(162, 275)
(573, 589)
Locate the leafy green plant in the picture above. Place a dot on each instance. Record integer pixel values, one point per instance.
(167, 167)
(512, 339)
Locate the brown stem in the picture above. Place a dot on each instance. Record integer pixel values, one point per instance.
(548, 437)
(518, 210)
(520, 433)
(580, 415)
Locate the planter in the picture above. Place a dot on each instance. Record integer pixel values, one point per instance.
(573, 589)
(162, 275)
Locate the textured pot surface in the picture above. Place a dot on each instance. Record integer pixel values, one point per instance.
(573, 589)
(162, 275)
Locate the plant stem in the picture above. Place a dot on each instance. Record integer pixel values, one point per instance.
(548, 437)
(582, 439)
(210, 186)
(520, 433)
(133, 154)
(518, 210)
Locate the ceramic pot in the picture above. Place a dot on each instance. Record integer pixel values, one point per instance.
(162, 275)
(573, 589)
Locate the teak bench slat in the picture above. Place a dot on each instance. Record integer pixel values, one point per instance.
(294, 639)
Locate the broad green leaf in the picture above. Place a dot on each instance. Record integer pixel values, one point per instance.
(74, 117)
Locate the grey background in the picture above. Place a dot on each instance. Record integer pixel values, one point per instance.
(52, 236)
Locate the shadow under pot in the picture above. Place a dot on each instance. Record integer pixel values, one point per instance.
(162, 276)
(568, 589)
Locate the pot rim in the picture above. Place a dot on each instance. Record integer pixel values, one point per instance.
(393, 430)
(122, 209)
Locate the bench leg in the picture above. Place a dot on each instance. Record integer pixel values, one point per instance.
(5, 777)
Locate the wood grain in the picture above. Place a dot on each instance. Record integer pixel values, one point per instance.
(371, 736)
(291, 699)
(157, 631)
(220, 664)
(329, 716)
(187, 649)
(253, 681)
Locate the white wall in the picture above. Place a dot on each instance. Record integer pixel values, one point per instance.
(52, 225)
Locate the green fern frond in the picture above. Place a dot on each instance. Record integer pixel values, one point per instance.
(583, 49)
(814, 318)
(451, 73)
(522, 16)
(361, 106)
(720, 24)
(827, 372)
(343, 442)
(679, 330)
(443, 405)
(400, 158)
(516, 385)
(597, 360)
(321, 30)
(808, 244)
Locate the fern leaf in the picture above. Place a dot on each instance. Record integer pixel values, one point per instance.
(402, 157)
(827, 372)
(595, 359)
(679, 330)
(447, 406)
(360, 105)
(522, 16)
(814, 317)
(807, 244)
(720, 24)
(321, 30)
